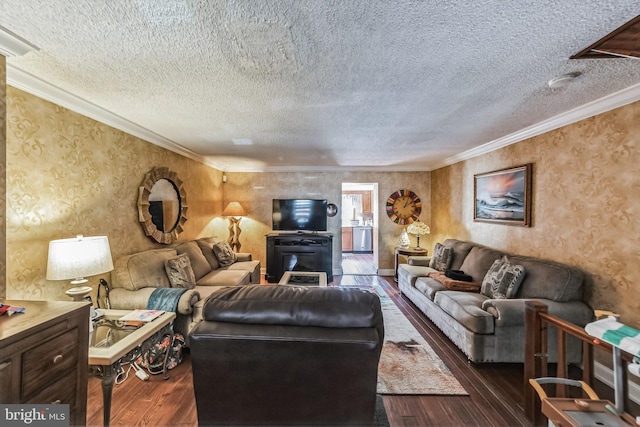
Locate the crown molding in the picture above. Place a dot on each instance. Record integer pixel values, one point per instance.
(593, 108)
(331, 169)
(29, 83)
(13, 45)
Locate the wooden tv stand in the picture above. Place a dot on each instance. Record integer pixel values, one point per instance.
(299, 252)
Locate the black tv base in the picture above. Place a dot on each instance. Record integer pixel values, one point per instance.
(299, 252)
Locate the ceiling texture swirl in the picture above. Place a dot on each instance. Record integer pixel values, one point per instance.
(275, 85)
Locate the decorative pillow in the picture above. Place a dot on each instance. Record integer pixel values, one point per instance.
(503, 279)
(490, 280)
(513, 275)
(442, 257)
(180, 272)
(224, 253)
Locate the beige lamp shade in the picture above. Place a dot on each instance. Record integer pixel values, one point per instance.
(234, 209)
(78, 258)
(418, 228)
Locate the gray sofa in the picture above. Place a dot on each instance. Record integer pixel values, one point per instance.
(137, 275)
(488, 329)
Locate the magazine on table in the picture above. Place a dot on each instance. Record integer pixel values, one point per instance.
(142, 315)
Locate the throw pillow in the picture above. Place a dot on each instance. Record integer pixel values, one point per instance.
(442, 257)
(180, 272)
(512, 277)
(224, 253)
(491, 279)
(503, 279)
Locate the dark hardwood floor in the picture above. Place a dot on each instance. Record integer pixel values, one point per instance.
(495, 390)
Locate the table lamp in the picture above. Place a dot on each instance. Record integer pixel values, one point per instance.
(234, 211)
(418, 228)
(77, 258)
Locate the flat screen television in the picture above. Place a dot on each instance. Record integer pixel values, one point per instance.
(299, 215)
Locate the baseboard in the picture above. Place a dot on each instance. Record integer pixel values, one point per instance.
(385, 272)
(604, 374)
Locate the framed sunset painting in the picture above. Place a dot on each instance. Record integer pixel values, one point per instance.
(504, 196)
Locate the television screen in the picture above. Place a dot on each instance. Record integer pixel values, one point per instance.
(299, 215)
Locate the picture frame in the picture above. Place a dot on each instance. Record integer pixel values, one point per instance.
(503, 196)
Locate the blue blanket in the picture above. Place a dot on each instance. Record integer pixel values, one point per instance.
(165, 299)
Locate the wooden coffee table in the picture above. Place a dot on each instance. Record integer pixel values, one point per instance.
(112, 340)
(304, 278)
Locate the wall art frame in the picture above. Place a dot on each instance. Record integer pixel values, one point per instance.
(504, 196)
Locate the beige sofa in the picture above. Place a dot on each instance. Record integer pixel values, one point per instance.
(137, 275)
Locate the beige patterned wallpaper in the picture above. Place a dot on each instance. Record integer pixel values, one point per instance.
(68, 175)
(255, 192)
(586, 204)
(3, 176)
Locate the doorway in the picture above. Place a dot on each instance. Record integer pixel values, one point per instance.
(359, 228)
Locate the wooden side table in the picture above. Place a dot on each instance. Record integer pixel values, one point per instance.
(407, 252)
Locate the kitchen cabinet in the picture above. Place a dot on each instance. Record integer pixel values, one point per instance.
(347, 239)
(357, 239)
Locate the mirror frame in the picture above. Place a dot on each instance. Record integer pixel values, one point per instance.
(144, 216)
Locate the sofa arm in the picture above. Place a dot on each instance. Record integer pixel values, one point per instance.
(124, 299)
(510, 312)
(419, 260)
(243, 256)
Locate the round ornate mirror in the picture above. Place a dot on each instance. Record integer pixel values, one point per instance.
(162, 205)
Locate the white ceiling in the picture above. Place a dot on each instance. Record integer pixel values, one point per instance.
(313, 84)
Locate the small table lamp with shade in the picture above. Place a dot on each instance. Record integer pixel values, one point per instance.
(234, 211)
(418, 228)
(77, 258)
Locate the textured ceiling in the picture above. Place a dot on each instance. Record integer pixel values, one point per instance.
(323, 84)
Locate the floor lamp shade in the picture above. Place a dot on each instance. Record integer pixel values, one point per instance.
(78, 258)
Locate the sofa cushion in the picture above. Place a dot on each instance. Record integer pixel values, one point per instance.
(199, 263)
(549, 279)
(460, 251)
(206, 246)
(224, 277)
(224, 253)
(253, 267)
(180, 272)
(442, 257)
(143, 269)
(429, 286)
(478, 262)
(503, 279)
(409, 273)
(466, 309)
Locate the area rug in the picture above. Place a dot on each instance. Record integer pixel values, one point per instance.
(408, 364)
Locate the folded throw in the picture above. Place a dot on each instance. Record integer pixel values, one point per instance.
(165, 299)
(458, 275)
(455, 285)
